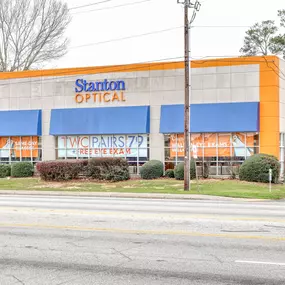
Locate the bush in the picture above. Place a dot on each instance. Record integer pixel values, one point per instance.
(61, 170)
(256, 168)
(22, 169)
(152, 169)
(5, 170)
(179, 171)
(169, 173)
(110, 169)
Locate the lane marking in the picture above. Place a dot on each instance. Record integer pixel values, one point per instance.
(145, 232)
(260, 262)
(139, 215)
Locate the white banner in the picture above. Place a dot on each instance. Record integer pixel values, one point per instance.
(105, 146)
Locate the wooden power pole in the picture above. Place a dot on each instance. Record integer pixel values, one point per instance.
(187, 24)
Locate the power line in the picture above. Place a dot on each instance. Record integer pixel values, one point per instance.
(88, 5)
(278, 68)
(220, 27)
(128, 37)
(142, 35)
(112, 7)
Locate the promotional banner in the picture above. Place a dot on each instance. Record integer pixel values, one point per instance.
(13, 147)
(210, 144)
(105, 146)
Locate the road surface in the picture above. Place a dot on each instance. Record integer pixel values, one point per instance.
(82, 240)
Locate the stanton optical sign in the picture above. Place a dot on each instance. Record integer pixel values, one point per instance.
(99, 91)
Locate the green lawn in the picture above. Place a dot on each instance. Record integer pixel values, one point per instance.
(225, 188)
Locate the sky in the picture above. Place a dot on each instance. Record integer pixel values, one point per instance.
(96, 36)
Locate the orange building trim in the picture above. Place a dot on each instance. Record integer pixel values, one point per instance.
(136, 67)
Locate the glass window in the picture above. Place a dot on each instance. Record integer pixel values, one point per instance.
(210, 140)
(224, 154)
(252, 139)
(167, 139)
(224, 140)
(180, 146)
(135, 148)
(210, 152)
(197, 140)
(168, 156)
(219, 150)
(199, 153)
(13, 149)
(238, 140)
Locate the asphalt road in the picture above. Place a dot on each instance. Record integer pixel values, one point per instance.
(81, 240)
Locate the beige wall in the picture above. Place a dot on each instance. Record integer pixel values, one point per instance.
(154, 88)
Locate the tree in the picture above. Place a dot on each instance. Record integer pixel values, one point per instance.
(262, 38)
(258, 39)
(32, 33)
(281, 14)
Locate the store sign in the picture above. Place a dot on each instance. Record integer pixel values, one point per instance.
(13, 146)
(99, 91)
(105, 146)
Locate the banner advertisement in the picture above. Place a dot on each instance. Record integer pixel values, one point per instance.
(210, 144)
(14, 146)
(102, 146)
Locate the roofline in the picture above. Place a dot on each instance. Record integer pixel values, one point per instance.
(214, 62)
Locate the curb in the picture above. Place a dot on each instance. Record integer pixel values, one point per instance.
(126, 195)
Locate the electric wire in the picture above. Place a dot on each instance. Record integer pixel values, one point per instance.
(127, 37)
(112, 7)
(88, 5)
(138, 35)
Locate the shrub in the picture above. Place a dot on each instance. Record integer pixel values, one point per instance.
(22, 169)
(61, 170)
(110, 169)
(179, 170)
(256, 168)
(169, 173)
(152, 169)
(5, 170)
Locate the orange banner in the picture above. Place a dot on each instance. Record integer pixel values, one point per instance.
(211, 142)
(13, 146)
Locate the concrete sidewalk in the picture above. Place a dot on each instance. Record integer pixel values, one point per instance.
(126, 195)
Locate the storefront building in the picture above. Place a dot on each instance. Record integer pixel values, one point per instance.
(136, 112)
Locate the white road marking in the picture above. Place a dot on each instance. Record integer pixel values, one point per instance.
(260, 262)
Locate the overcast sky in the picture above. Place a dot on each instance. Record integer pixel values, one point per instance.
(107, 23)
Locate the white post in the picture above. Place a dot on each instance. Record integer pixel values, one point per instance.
(270, 179)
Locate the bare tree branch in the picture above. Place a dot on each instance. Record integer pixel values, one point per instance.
(32, 33)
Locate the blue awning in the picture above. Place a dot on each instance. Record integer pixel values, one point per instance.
(211, 118)
(21, 123)
(91, 121)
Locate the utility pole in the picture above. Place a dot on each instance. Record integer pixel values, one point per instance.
(195, 5)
